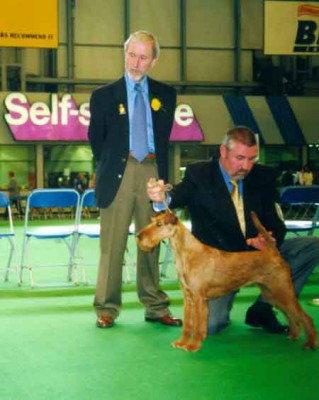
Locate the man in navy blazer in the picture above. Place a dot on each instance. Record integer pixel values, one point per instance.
(206, 192)
(120, 185)
(109, 133)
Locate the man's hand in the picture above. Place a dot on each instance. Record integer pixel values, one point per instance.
(156, 190)
(259, 242)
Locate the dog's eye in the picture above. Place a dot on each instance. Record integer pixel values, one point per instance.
(158, 224)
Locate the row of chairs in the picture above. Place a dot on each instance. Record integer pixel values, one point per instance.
(300, 207)
(65, 201)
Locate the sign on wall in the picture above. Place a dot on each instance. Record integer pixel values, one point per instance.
(32, 23)
(185, 126)
(291, 27)
(64, 120)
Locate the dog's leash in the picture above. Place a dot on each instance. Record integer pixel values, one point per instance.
(167, 188)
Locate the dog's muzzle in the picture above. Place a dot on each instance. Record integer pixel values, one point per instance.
(140, 240)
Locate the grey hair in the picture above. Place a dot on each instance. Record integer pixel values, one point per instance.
(241, 134)
(144, 36)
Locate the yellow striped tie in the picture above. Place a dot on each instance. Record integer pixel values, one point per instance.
(239, 205)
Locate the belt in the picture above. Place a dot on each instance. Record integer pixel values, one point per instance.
(149, 156)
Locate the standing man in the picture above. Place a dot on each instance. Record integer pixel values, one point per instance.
(131, 121)
(208, 190)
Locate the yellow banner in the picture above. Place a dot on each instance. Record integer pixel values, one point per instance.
(32, 23)
(291, 27)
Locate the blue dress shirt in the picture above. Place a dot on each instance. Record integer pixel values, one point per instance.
(131, 93)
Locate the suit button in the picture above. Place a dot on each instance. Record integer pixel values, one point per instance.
(123, 160)
(119, 176)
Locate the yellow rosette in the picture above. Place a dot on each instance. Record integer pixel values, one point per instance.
(156, 104)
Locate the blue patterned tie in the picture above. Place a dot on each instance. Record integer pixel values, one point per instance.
(139, 126)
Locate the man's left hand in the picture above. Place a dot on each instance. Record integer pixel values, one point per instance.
(259, 242)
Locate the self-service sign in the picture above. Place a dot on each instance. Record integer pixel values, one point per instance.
(64, 120)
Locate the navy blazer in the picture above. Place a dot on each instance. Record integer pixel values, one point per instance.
(213, 215)
(109, 134)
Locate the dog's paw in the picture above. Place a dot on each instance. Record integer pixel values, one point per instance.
(310, 345)
(179, 344)
(293, 336)
(192, 347)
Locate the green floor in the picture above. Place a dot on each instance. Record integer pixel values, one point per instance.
(52, 350)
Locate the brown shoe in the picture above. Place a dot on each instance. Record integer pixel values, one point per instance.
(104, 321)
(167, 319)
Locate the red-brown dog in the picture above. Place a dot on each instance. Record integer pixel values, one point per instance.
(206, 273)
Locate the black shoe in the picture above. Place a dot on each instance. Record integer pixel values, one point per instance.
(261, 315)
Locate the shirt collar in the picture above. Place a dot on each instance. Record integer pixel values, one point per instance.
(228, 179)
(130, 83)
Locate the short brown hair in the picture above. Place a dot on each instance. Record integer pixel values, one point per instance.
(241, 134)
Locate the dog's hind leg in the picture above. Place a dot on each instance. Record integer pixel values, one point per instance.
(284, 299)
(292, 309)
(274, 294)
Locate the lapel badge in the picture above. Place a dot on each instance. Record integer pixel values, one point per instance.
(122, 110)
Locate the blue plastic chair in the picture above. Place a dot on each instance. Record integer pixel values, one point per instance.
(7, 233)
(300, 206)
(57, 203)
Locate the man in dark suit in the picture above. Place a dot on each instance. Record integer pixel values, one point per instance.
(131, 121)
(206, 191)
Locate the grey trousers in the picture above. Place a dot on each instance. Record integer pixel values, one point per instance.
(301, 254)
(131, 203)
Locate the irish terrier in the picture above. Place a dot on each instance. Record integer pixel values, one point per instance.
(207, 273)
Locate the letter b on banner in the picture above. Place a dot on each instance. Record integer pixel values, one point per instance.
(306, 32)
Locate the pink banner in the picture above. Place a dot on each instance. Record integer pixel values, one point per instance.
(64, 120)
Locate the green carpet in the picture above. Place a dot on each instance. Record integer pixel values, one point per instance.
(51, 349)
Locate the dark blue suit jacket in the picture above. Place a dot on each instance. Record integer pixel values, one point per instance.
(109, 134)
(214, 220)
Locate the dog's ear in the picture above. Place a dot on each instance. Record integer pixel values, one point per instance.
(171, 218)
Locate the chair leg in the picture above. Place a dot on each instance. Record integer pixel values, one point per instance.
(84, 276)
(126, 268)
(77, 255)
(167, 258)
(31, 277)
(25, 262)
(72, 270)
(6, 275)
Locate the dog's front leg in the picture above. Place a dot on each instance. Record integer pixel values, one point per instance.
(184, 340)
(199, 318)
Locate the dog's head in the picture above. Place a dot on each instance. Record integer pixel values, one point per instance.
(163, 226)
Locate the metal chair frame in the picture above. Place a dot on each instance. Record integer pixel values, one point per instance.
(7, 232)
(300, 207)
(41, 199)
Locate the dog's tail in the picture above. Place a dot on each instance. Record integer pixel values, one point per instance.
(263, 231)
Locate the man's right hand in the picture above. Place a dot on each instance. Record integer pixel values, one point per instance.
(156, 190)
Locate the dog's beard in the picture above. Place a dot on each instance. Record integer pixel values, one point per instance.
(143, 247)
